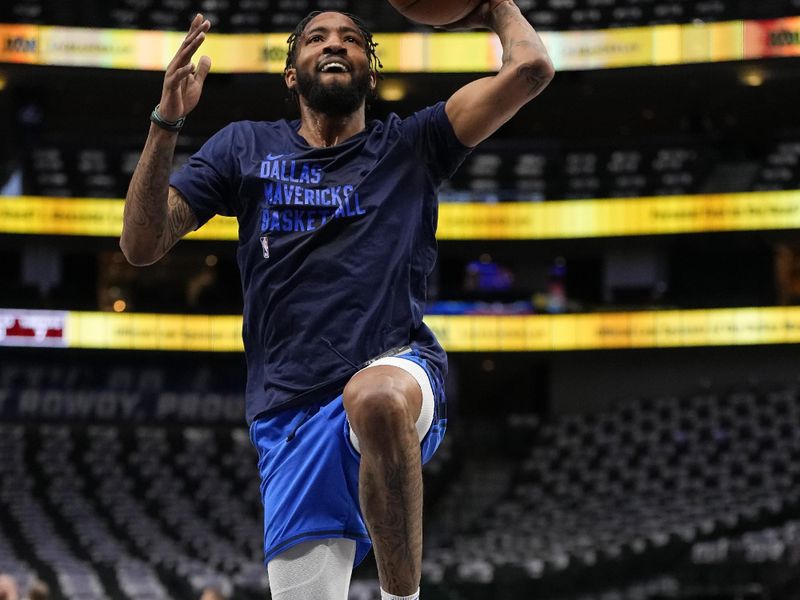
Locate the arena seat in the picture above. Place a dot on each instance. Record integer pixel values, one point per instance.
(648, 478)
(46, 173)
(126, 510)
(780, 170)
(12, 477)
(518, 171)
(494, 172)
(281, 15)
(32, 11)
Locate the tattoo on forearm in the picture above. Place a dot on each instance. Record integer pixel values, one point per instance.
(515, 48)
(180, 219)
(152, 216)
(536, 83)
(521, 46)
(505, 14)
(146, 205)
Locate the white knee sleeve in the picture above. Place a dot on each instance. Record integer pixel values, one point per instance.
(418, 373)
(317, 569)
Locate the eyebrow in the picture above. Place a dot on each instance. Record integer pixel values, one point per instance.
(342, 29)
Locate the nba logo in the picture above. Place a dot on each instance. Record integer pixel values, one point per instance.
(265, 246)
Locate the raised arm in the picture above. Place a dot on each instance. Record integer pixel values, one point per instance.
(156, 216)
(479, 108)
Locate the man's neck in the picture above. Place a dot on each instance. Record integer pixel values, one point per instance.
(321, 130)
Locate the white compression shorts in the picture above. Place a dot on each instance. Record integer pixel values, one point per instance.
(418, 373)
(316, 569)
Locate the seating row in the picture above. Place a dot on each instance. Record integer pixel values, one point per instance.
(647, 481)
(282, 15)
(494, 172)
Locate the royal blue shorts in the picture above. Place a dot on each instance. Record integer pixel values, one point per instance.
(309, 471)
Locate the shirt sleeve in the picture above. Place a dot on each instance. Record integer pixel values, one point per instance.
(208, 180)
(432, 135)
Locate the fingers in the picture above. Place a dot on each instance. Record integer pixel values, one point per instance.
(203, 67)
(183, 80)
(176, 76)
(198, 23)
(198, 18)
(195, 37)
(200, 71)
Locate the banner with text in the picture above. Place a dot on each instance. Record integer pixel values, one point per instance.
(111, 406)
(572, 219)
(457, 333)
(410, 52)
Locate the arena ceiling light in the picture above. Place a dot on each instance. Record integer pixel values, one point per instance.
(753, 76)
(392, 90)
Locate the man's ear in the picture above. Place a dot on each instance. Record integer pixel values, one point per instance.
(373, 80)
(290, 77)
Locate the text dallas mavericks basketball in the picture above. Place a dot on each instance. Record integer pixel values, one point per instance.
(287, 186)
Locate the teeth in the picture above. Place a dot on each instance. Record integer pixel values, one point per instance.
(331, 65)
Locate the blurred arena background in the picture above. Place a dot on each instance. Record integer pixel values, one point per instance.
(618, 287)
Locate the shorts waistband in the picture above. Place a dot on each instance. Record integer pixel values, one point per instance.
(329, 389)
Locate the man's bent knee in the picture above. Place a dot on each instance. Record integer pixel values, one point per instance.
(382, 403)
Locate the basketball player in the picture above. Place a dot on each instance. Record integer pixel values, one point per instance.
(337, 218)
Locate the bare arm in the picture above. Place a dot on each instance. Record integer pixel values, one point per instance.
(156, 216)
(479, 108)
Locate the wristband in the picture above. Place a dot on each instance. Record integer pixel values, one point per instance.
(174, 126)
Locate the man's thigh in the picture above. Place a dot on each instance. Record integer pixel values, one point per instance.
(309, 479)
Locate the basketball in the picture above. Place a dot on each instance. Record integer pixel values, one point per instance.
(435, 12)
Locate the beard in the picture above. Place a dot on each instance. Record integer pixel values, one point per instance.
(334, 99)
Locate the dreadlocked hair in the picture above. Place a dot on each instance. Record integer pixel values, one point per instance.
(375, 64)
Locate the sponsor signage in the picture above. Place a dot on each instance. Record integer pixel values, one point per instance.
(92, 405)
(752, 211)
(573, 219)
(19, 44)
(779, 37)
(411, 52)
(34, 328)
(609, 331)
(457, 333)
(60, 216)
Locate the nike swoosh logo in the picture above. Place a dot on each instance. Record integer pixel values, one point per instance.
(274, 156)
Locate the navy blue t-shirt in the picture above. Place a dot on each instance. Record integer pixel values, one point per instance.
(335, 244)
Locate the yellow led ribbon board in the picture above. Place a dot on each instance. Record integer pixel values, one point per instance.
(573, 219)
(411, 52)
(485, 333)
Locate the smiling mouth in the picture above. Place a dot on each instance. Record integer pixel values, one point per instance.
(334, 67)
